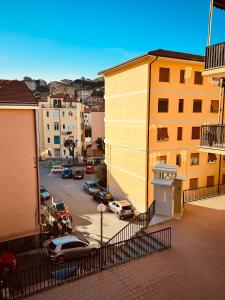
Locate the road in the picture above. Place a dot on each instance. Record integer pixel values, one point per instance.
(83, 208)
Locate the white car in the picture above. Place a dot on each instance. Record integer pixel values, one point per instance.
(122, 208)
(57, 169)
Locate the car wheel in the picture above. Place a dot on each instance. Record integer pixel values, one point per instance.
(60, 259)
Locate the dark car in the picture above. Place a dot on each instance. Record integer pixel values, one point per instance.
(103, 197)
(78, 174)
(67, 173)
(7, 260)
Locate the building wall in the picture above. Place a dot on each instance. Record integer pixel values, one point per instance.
(125, 133)
(126, 126)
(97, 125)
(19, 213)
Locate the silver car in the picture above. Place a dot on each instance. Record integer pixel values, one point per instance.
(91, 187)
(122, 208)
(68, 247)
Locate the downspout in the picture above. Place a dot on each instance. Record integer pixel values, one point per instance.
(148, 128)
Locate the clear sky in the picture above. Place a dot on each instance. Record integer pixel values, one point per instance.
(52, 39)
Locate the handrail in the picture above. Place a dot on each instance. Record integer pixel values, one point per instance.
(139, 222)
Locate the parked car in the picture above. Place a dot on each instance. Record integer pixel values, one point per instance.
(67, 247)
(57, 169)
(91, 187)
(89, 170)
(103, 197)
(7, 260)
(67, 173)
(122, 208)
(60, 208)
(44, 194)
(78, 174)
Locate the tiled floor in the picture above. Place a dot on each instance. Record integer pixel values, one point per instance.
(194, 268)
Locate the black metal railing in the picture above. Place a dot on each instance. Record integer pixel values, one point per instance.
(203, 192)
(213, 136)
(19, 284)
(215, 56)
(135, 225)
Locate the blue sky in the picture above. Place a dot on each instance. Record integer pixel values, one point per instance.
(52, 39)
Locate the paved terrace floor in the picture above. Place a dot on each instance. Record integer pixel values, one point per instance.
(194, 268)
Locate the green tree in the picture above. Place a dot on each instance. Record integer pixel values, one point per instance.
(101, 175)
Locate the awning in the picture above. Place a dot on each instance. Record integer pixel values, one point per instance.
(219, 4)
(164, 182)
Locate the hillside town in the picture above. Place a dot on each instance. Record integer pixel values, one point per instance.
(114, 187)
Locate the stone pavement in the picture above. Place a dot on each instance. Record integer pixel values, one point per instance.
(194, 268)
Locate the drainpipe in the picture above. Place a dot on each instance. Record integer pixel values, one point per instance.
(222, 131)
(148, 128)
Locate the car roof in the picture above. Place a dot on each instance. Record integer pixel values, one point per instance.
(123, 202)
(90, 182)
(57, 166)
(65, 239)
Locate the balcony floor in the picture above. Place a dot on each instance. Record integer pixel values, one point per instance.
(211, 149)
(216, 72)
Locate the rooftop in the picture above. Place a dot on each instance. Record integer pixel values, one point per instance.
(15, 92)
(160, 53)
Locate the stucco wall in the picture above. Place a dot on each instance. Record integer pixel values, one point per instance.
(18, 176)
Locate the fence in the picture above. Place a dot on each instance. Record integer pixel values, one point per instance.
(135, 225)
(27, 282)
(213, 136)
(215, 56)
(203, 193)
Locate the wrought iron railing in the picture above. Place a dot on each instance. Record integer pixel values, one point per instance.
(18, 284)
(203, 192)
(215, 56)
(213, 136)
(135, 225)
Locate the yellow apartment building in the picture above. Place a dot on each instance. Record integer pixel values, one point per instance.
(60, 117)
(155, 105)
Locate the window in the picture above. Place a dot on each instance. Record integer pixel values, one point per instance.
(214, 108)
(67, 246)
(164, 74)
(195, 134)
(55, 113)
(163, 105)
(178, 160)
(64, 126)
(182, 76)
(179, 133)
(49, 140)
(63, 113)
(193, 184)
(49, 153)
(57, 152)
(181, 106)
(198, 78)
(212, 158)
(162, 134)
(161, 159)
(57, 103)
(48, 126)
(210, 181)
(47, 114)
(64, 152)
(70, 114)
(197, 105)
(56, 139)
(194, 159)
(56, 125)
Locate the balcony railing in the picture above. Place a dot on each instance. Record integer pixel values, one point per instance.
(215, 56)
(213, 136)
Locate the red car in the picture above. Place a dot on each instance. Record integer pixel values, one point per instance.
(7, 260)
(89, 170)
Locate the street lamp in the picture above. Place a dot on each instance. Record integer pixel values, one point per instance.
(101, 208)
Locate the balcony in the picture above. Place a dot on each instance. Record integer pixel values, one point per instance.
(215, 61)
(213, 139)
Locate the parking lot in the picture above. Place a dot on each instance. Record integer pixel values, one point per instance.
(86, 218)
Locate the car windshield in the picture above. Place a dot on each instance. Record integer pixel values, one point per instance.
(78, 171)
(127, 207)
(67, 171)
(51, 246)
(43, 190)
(92, 185)
(60, 206)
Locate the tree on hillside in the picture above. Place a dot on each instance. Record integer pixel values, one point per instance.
(70, 145)
(101, 175)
